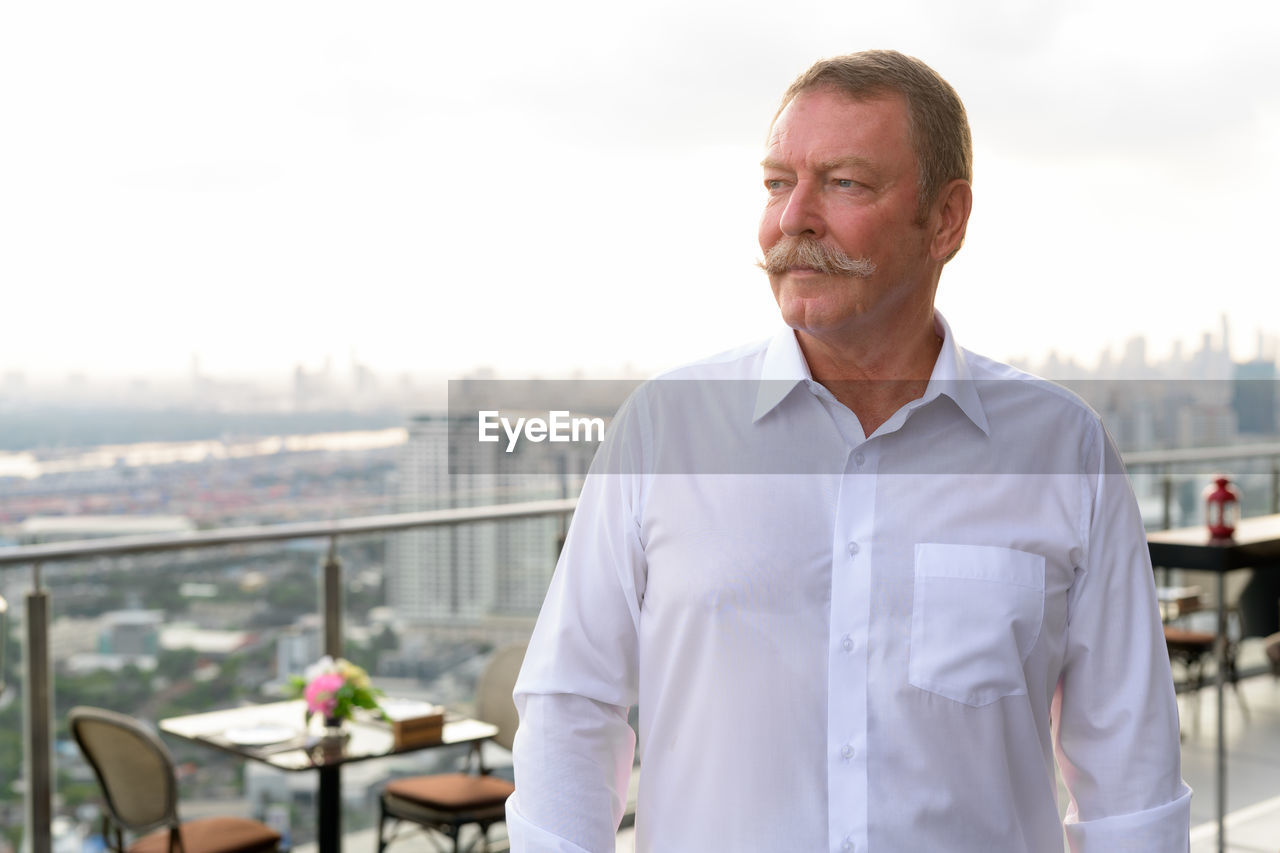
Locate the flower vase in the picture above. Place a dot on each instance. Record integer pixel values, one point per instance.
(333, 730)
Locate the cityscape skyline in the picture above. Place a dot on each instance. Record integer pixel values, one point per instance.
(360, 385)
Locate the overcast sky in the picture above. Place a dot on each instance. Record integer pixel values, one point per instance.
(538, 186)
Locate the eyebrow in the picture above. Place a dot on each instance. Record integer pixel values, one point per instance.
(844, 163)
(823, 166)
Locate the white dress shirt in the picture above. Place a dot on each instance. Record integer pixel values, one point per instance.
(851, 643)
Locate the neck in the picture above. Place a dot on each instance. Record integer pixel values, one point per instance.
(877, 374)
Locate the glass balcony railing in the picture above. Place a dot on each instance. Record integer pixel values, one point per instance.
(160, 624)
(1169, 483)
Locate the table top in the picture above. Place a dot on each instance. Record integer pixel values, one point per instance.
(274, 734)
(1256, 544)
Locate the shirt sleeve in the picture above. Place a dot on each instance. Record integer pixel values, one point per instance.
(1115, 710)
(573, 749)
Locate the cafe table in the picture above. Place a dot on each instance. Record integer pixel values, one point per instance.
(1255, 545)
(274, 734)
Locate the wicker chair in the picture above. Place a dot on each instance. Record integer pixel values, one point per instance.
(140, 792)
(448, 802)
(1194, 649)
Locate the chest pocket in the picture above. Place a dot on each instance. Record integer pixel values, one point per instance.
(975, 616)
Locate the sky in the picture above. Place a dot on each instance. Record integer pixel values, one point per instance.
(433, 187)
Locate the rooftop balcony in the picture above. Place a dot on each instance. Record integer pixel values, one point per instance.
(136, 674)
(69, 580)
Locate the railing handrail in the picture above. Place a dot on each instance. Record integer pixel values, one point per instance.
(116, 545)
(1200, 454)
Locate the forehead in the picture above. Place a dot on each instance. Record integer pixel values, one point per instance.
(821, 125)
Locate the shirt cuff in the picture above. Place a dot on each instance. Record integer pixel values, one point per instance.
(526, 837)
(1156, 830)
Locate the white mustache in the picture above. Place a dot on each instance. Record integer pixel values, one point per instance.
(807, 252)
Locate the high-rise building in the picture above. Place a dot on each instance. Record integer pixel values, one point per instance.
(1254, 397)
(469, 572)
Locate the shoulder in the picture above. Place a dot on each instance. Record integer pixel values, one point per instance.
(1006, 383)
(679, 409)
(1049, 421)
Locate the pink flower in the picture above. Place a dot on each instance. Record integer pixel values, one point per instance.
(321, 693)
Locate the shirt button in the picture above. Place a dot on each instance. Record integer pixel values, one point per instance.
(859, 458)
(846, 845)
(846, 752)
(853, 549)
(846, 643)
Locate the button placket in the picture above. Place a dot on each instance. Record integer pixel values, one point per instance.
(850, 585)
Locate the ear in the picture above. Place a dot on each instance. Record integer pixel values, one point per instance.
(950, 218)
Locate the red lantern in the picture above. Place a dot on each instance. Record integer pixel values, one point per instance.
(1221, 508)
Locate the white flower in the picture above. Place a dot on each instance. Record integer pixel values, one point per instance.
(323, 666)
(354, 675)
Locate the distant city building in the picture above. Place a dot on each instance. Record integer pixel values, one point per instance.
(470, 572)
(125, 638)
(131, 632)
(207, 642)
(1205, 425)
(1254, 397)
(298, 648)
(1134, 363)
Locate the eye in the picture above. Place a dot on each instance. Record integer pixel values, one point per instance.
(846, 183)
(773, 184)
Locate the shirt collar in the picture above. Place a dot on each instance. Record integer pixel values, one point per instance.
(784, 368)
(951, 376)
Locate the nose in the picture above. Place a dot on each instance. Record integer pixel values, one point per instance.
(802, 213)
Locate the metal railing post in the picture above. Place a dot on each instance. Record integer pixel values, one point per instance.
(1166, 487)
(1275, 484)
(37, 720)
(4, 636)
(331, 600)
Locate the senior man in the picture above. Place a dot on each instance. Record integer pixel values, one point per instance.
(862, 583)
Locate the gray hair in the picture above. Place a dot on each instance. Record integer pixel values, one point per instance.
(938, 125)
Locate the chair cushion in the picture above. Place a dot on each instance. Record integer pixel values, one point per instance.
(452, 791)
(1189, 640)
(214, 835)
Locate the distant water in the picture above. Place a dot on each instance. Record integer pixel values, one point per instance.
(52, 427)
(251, 440)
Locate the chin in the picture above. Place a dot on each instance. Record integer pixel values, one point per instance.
(814, 315)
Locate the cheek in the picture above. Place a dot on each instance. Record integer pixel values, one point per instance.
(777, 297)
(768, 233)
